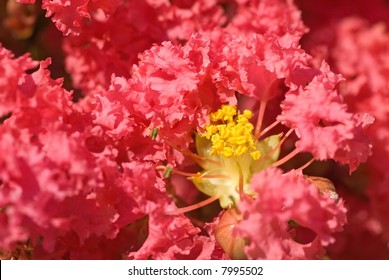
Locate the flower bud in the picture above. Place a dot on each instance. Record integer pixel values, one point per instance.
(324, 186)
(232, 245)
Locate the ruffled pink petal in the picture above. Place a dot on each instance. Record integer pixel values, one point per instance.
(177, 86)
(280, 18)
(282, 198)
(11, 71)
(68, 15)
(180, 239)
(322, 123)
(256, 65)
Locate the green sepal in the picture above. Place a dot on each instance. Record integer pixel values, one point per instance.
(154, 133)
(168, 172)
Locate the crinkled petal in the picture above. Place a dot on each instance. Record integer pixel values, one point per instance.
(282, 198)
(322, 123)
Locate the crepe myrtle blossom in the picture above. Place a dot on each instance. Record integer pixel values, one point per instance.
(200, 150)
(230, 150)
(229, 157)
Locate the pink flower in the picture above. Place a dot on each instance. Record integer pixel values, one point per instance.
(226, 175)
(199, 125)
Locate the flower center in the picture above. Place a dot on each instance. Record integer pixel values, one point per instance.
(229, 153)
(232, 155)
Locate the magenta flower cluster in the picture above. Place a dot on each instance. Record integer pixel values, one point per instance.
(194, 129)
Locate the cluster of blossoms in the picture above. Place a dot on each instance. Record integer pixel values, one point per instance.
(208, 129)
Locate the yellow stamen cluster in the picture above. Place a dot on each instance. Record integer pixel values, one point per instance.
(231, 133)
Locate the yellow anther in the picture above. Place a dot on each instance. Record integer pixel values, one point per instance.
(240, 150)
(242, 119)
(210, 130)
(231, 132)
(224, 131)
(255, 155)
(241, 140)
(217, 145)
(226, 113)
(227, 152)
(247, 114)
(249, 127)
